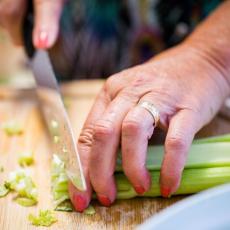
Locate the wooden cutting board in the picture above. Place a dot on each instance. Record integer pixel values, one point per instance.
(21, 105)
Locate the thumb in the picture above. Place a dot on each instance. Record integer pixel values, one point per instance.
(182, 129)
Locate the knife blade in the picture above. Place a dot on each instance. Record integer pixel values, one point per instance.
(52, 106)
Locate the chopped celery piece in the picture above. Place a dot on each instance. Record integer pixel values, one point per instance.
(54, 124)
(12, 128)
(45, 218)
(59, 185)
(65, 206)
(90, 210)
(4, 190)
(56, 139)
(26, 159)
(27, 202)
(20, 182)
(54, 127)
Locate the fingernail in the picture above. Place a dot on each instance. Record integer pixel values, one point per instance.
(104, 200)
(42, 40)
(79, 203)
(165, 192)
(140, 190)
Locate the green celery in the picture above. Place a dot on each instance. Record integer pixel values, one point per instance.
(12, 128)
(26, 159)
(208, 165)
(45, 218)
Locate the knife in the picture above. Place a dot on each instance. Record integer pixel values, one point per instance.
(52, 106)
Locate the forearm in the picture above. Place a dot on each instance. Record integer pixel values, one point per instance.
(212, 39)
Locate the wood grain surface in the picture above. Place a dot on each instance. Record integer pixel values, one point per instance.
(21, 105)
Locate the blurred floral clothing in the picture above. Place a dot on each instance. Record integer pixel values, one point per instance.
(101, 37)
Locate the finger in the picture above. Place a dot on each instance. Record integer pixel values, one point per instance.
(105, 143)
(81, 199)
(11, 16)
(182, 128)
(47, 16)
(137, 129)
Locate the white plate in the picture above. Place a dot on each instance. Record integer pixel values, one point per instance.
(206, 210)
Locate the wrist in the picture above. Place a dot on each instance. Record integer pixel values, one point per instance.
(216, 55)
(217, 62)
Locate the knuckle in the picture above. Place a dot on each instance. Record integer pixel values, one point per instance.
(177, 143)
(103, 129)
(131, 126)
(86, 136)
(131, 94)
(111, 81)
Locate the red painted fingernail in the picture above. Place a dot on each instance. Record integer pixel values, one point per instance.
(165, 192)
(79, 203)
(104, 200)
(140, 190)
(42, 40)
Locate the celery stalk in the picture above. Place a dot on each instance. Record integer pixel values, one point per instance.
(208, 165)
(201, 155)
(193, 181)
(214, 139)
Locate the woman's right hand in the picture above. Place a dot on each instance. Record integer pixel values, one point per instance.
(47, 15)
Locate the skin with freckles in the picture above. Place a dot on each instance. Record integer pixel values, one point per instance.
(187, 84)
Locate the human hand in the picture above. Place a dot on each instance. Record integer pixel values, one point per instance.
(186, 88)
(47, 15)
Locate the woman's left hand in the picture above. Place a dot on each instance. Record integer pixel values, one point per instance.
(185, 87)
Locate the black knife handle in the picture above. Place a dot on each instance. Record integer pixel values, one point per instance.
(27, 30)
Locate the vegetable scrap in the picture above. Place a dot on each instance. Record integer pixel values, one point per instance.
(90, 210)
(26, 159)
(27, 202)
(56, 139)
(12, 128)
(20, 182)
(45, 218)
(59, 181)
(3, 190)
(54, 128)
(59, 185)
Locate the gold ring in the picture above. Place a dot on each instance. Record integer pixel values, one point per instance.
(151, 108)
